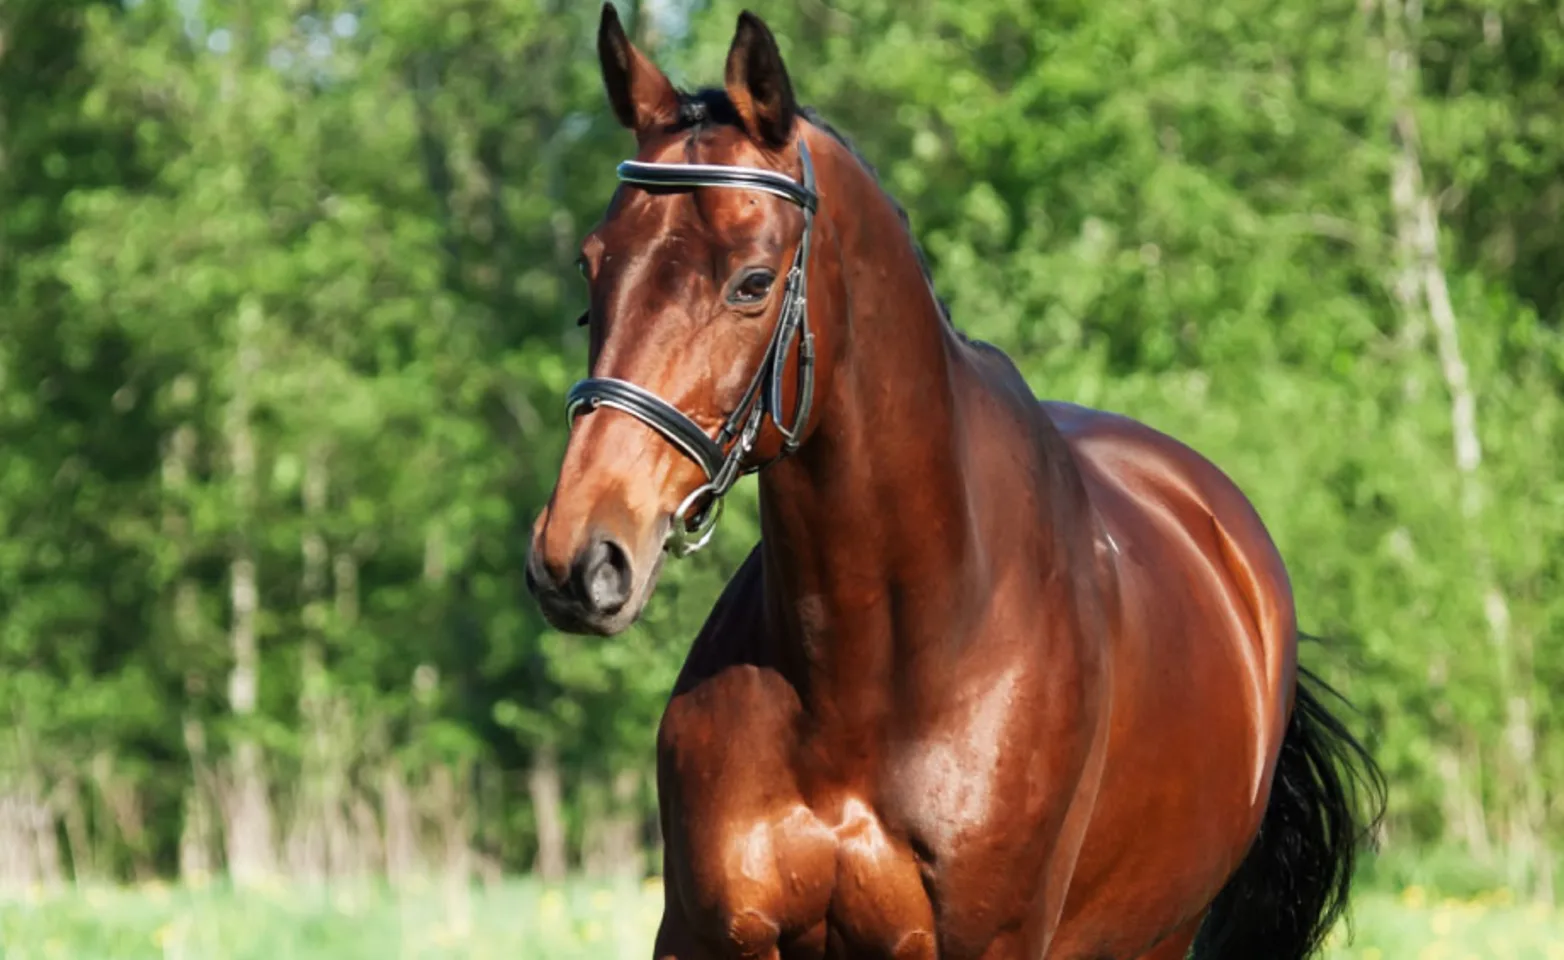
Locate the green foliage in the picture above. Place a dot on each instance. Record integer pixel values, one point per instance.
(347, 232)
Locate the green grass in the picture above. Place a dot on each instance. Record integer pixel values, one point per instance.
(515, 921)
(524, 921)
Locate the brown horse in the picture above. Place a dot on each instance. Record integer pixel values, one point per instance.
(1002, 678)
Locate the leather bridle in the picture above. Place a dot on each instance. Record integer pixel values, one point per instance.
(723, 459)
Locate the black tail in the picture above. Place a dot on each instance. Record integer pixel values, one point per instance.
(1293, 885)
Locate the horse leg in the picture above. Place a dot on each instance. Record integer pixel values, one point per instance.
(676, 940)
(1175, 946)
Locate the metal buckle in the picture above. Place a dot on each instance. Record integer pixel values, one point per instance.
(685, 538)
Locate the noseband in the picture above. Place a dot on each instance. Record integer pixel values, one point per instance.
(723, 464)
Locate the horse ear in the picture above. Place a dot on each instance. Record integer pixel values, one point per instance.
(758, 85)
(642, 96)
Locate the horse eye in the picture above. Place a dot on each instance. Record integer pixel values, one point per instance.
(581, 265)
(754, 287)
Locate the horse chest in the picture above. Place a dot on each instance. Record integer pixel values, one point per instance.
(768, 869)
(793, 884)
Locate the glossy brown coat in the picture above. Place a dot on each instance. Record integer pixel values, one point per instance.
(1002, 678)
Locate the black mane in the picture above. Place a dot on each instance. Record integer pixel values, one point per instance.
(713, 107)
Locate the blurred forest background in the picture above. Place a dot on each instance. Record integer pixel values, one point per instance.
(286, 291)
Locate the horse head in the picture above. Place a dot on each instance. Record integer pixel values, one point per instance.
(705, 345)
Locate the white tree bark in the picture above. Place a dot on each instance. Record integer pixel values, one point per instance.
(198, 825)
(1422, 287)
(547, 792)
(314, 830)
(251, 855)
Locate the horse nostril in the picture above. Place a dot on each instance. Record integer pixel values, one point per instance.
(601, 578)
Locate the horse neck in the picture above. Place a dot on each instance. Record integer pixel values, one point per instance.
(866, 539)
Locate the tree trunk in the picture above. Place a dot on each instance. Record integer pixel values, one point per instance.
(198, 827)
(80, 845)
(249, 816)
(198, 824)
(122, 801)
(622, 841)
(402, 858)
(310, 840)
(543, 784)
(29, 849)
(452, 817)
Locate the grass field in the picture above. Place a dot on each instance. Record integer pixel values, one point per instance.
(523, 921)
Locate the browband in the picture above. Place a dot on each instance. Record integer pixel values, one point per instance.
(716, 175)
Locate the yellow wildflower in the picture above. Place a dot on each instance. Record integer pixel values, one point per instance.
(552, 904)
